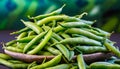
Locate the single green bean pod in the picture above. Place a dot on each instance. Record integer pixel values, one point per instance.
(90, 49)
(33, 26)
(80, 61)
(104, 65)
(50, 63)
(79, 40)
(61, 66)
(56, 12)
(5, 56)
(85, 33)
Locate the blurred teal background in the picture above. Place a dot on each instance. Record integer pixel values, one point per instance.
(106, 12)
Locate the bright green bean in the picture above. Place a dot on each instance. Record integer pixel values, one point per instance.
(33, 41)
(62, 48)
(112, 49)
(80, 61)
(57, 17)
(5, 56)
(26, 39)
(14, 49)
(14, 66)
(23, 34)
(10, 42)
(56, 12)
(61, 66)
(42, 43)
(33, 26)
(50, 63)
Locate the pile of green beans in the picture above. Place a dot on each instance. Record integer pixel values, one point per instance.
(62, 36)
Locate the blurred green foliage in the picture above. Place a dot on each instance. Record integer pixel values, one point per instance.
(106, 12)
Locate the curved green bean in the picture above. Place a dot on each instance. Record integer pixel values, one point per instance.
(33, 26)
(50, 63)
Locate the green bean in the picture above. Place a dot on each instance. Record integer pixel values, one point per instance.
(112, 49)
(85, 33)
(103, 32)
(23, 34)
(32, 64)
(57, 37)
(20, 31)
(74, 25)
(14, 49)
(21, 45)
(33, 26)
(87, 22)
(5, 56)
(71, 55)
(14, 66)
(74, 67)
(61, 66)
(10, 42)
(58, 29)
(46, 53)
(95, 32)
(33, 41)
(78, 35)
(90, 49)
(15, 61)
(46, 28)
(57, 17)
(42, 43)
(104, 65)
(50, 63)
(79, 40)
(62, 48)
(56, 12)
(31, 33)
(26, 39)
(80, 61)
(52, 50)
(64, 35)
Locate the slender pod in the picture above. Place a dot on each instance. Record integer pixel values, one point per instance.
(5, 56)
(33, 26)
(80, 61)
(33, 41)
(14, 49)
(56, 12)
(62, 48)
(85, 33)
(26, 39)
(50, 63)
(104, 65)
(112, 49)
(90, 49)
(61, 66)
(79, 40)
(14, 66)
(52, 50)
(42, 43)
(57, 17)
